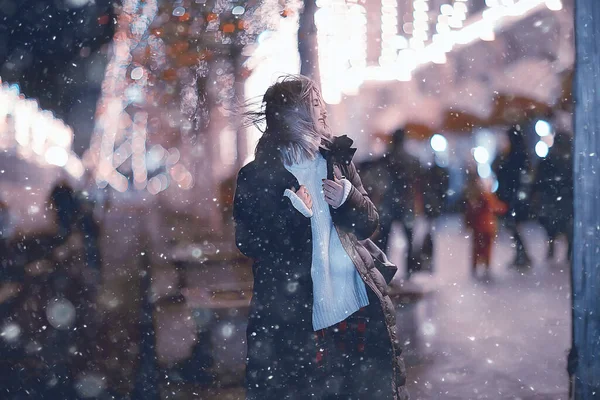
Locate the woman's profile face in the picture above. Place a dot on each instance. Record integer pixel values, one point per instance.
(318, 109)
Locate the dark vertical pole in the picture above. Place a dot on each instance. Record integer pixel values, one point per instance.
(146, 380)
(586, 255)
(307, 41)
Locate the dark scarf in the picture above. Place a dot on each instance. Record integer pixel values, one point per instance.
(339, 151)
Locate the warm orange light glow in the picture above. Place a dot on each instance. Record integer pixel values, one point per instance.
(228, 28)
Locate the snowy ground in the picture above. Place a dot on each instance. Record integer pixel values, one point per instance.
(470, 339)
(506, 339)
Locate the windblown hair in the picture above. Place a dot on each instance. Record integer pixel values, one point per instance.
(290, 130)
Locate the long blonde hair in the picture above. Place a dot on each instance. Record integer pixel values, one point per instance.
(291, 133)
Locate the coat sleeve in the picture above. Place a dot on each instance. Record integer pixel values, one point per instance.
(266, 222)
(357, 214)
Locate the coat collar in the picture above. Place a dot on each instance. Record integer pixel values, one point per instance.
(340, 150)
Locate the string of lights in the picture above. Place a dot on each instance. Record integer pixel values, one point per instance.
(156, 86)
(34, 134)
(401, 57)
(133, 22)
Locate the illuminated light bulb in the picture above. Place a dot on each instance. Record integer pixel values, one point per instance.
(488, 36)
(389, 29)
(420, 35)
(543, 128)
(442, 28)
(187, 182)
(438, 142)
(446, 9)
(455, 23)
(421, 25)
(118, 181)
(481, 154)
(541, 149)
(154, 185)
(554, 5)
(420, 16)
(460, 8)
(400, 42)
(57, 156)
(459, 15)
(493, 13)
(421, 6)
(415, 43)
(438, 57)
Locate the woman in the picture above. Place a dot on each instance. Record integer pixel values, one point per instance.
(320, 324)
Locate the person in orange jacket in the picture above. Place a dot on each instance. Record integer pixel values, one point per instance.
(482, 209)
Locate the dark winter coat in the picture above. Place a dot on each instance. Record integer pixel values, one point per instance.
(279, 239)
(514, 184)
(405, 173)
(553, 189)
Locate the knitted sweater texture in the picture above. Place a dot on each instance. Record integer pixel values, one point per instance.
(338, 289)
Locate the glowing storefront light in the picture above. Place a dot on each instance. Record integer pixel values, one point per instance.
(543, 128)
(420, 32)
(541, 149)
(57, 156)
(34, 134)
(439, 142)
(481, 154)
(554, 5)
(342, 49)
(341, 27)
(389, 30)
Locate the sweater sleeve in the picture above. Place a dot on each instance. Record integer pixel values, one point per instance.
(347, 187)
(298, 203)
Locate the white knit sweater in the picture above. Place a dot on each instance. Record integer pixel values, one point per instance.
(338, 289)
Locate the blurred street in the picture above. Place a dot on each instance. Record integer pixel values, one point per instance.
(506, 338)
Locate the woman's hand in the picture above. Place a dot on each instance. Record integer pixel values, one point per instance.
(302, 192)
(334, 192)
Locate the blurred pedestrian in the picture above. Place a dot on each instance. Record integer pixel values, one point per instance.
(553, 192)
(90, 229)
(63, 202)
(398, 201)
(481, 211)
(320, 325)
(6, 233)
(513, 171)
(435, 185)
(6, 228)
